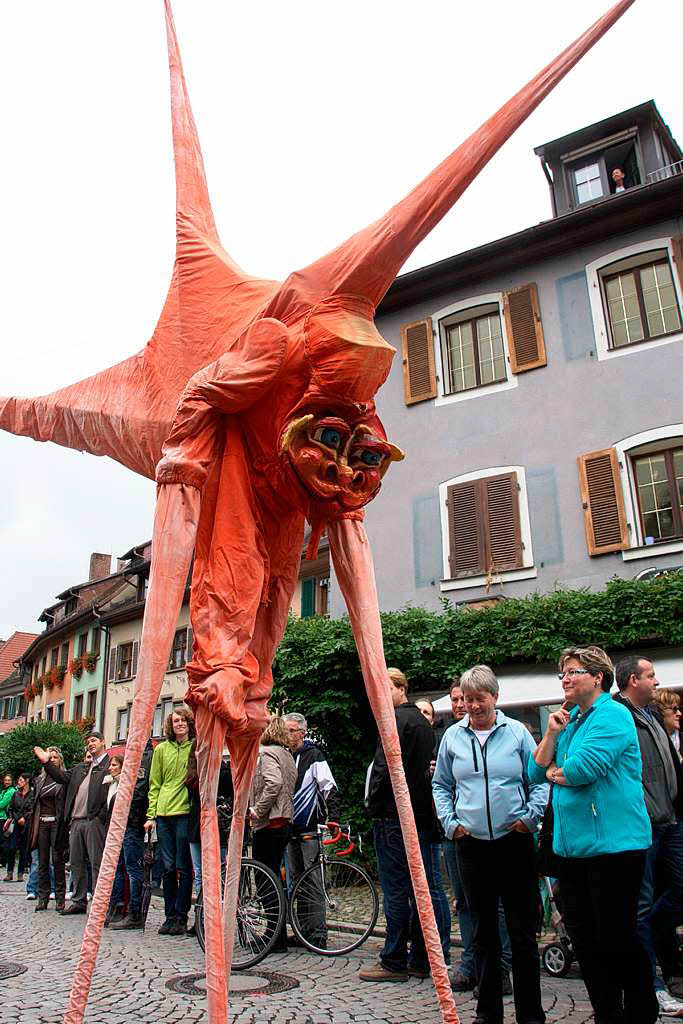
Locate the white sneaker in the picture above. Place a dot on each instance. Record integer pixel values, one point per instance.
(31, 896)
(668, 1004)
(52, 896)
(69, 895)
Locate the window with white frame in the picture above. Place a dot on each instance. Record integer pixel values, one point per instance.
(485, 528)
(472, 349)
(635, 298)
(60, 711)
(651, 477)
(122, 721)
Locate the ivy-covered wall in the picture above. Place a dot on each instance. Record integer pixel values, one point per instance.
(317, 670)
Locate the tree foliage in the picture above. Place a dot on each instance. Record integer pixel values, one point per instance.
(16, 747)
(318, 674)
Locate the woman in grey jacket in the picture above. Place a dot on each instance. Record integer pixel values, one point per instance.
(490, 810)
(270, 804)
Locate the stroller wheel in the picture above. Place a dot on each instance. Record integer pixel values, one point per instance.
(556, 959)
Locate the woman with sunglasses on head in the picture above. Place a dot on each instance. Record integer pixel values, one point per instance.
(601, 832)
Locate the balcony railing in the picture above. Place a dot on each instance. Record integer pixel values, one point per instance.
(670, 171)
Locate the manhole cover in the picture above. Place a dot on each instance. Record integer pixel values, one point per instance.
(244, 983)
(11, 970)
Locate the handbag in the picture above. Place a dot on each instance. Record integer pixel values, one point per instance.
(8, 827)
(548, 861)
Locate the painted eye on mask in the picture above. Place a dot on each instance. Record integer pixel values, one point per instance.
(369, 458)
(329, 436)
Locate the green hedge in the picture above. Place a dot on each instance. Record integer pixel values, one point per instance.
(317, 670)
(16, 747)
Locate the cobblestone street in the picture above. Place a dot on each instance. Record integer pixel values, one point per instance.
(136, 977)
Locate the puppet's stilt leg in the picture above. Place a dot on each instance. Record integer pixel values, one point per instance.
(353, 564)
(175, 524)
(210, 737)
(243, 754)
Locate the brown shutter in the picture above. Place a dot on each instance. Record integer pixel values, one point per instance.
(465, 529)
(501, 515)
(524, 328)
(190, 641)
(419, 373)
(603, 502)
(136, 647)
(677, 252)
(112, 664)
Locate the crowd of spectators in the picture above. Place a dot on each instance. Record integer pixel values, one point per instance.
(606, 776)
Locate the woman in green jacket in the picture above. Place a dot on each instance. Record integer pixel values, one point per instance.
(169, 808)
(6, 793)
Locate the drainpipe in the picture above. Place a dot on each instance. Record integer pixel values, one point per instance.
(102, 626)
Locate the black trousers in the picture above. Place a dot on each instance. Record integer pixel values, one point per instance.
(268, 846)
(19, 846)
(504, 869)
(600, 909)
(48, 845)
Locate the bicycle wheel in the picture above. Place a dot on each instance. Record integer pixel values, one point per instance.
(260, 915)
(334, 907)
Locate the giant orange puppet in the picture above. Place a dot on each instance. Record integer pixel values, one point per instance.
(253, 406)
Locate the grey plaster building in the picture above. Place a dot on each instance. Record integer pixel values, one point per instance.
(537, 393)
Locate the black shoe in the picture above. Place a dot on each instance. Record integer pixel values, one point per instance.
(166, 926)
(178, 926)
(59, 906)
(461, 982)
(129, 922)
(73, 908)
(40, 905)
(113, 914)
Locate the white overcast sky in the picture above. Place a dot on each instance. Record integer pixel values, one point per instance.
(314, 117)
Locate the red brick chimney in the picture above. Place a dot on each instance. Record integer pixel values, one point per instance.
(100, 566)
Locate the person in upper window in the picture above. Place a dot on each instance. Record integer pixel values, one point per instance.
(619, 179)
(488, 804)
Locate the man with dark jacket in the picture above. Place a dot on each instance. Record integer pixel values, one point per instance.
(660, 907)
(396, 961)
(316, 800)
(85, 800)
(133, 843)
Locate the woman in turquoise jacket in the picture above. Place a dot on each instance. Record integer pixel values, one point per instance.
(601, 831)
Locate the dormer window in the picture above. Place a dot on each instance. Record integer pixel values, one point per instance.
(592, 175)
(588, 182)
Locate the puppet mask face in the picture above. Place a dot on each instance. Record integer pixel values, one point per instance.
(340, 465)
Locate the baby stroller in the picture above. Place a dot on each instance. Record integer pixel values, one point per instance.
(558, 955)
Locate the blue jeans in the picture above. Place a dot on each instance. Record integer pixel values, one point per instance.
(659, 912)
(442, 911)
(32, 882)
(174, 848)
(403, 923)
(130, 863)
(196, 855)
(466, 964)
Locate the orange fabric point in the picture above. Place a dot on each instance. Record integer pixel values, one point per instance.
(253, 404)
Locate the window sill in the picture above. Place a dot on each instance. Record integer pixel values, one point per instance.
(652, 550)
(468, 582)
(487, 389)
(180, 669)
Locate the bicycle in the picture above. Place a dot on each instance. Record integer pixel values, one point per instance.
(261, 909)
(333, 905)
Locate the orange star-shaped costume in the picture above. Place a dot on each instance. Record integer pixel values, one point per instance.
(253, 406)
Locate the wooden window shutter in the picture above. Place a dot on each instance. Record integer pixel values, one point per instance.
(419, 372)
(677, 252)
(119, 662)
(307, 598)
(501, 515)
(136, 648)
(466, 530)
(603, 502)
(524, 328)
(190, 641)
(112, 663)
